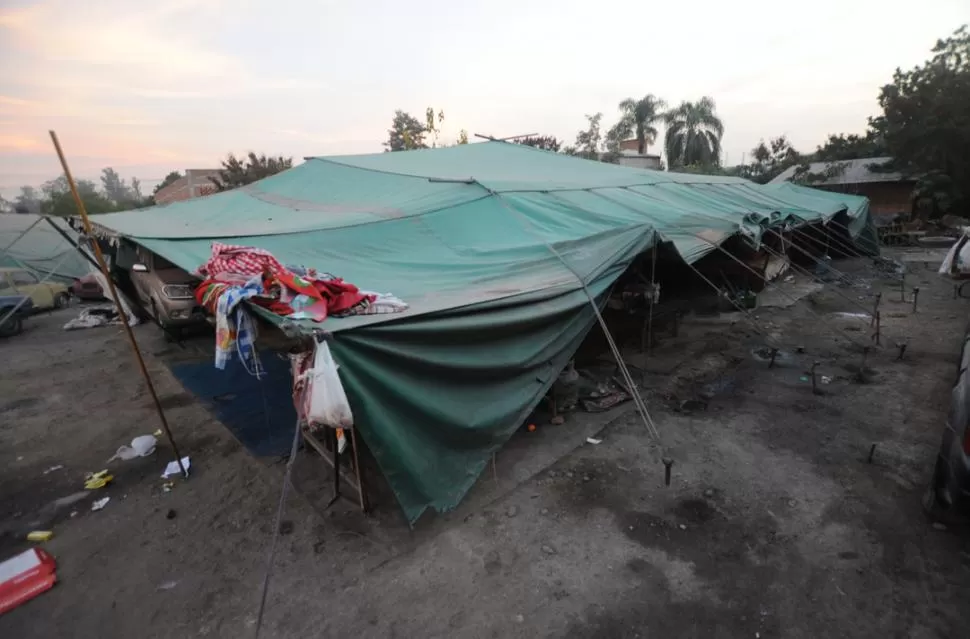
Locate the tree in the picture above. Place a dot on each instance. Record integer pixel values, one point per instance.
(462, 137)
(432, 124)
(169, 179)
(926, 121)
(770, 160)
(588, 141)
(544, 142)
(28, 200)
(136, 189)
(694, 134)
(58, 200)
(119, 192)
(406, 133)
(849, 147)
(237, 172)
(637, 119)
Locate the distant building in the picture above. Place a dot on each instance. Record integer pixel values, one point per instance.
(195, 183)
(889, 192)
(629, 156)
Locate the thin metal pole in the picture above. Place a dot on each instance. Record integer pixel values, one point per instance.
(653, 290)
(114, 296)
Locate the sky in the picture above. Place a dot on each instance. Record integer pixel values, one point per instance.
(152, 87)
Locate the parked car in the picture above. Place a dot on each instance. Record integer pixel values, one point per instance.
(87, 288)
(43, 295)
(17, 307)
(950, 491)
(166, 291)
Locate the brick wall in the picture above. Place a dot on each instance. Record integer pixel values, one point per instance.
(195, 183)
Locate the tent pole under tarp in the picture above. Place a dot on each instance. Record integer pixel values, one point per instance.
(117, 300)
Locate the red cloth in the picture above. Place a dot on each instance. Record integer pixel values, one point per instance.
(331, 296)
(245, 260)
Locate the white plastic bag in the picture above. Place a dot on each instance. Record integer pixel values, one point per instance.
(328, 403)
(141, 446)
(957, 260)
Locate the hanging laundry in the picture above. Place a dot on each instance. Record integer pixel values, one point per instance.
(235, 328)
(239, 260)
(245, 273)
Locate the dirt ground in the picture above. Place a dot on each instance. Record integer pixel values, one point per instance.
(775, 524)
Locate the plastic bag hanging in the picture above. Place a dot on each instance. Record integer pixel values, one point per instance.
(328, 403)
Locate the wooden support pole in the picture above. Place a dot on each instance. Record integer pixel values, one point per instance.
(88, 229)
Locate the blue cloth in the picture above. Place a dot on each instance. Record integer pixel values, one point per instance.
(235, 328)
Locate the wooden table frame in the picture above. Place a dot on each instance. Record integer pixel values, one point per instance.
(355, 481)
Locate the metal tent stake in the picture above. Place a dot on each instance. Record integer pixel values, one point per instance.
(88, 230)
(774, 353)
(862, 365)
(902, 351)
(915, 297)
(815, 390)
(875, 309)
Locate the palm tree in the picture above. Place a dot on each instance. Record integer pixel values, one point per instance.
(638, 119)
(693, 134)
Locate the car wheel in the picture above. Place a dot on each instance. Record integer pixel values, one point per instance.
(61, 300)
(13, 326)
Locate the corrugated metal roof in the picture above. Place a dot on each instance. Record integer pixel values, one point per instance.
(849, 172)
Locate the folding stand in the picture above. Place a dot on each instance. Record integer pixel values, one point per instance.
(332, 457)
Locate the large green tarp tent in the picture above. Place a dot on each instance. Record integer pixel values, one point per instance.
(27, 241)
(487, 243)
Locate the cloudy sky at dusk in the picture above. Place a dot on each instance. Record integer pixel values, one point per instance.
(175, 84)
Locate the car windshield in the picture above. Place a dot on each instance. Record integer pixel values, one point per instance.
(162, 264)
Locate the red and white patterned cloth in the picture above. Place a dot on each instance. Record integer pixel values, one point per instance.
(245, 260)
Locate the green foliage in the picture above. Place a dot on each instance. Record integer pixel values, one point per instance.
(237, 172)
(432, 124)
(926, 121)
(169, 179)
(694, 134)
(122, 195)
(849, 147)
(408, 133)
(544, 142)
(637, 119)
(770, 160)
(56, 198)
(588, 141)
(28, 200)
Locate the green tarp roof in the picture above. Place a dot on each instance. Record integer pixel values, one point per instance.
(486, 242)
(27, 241)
